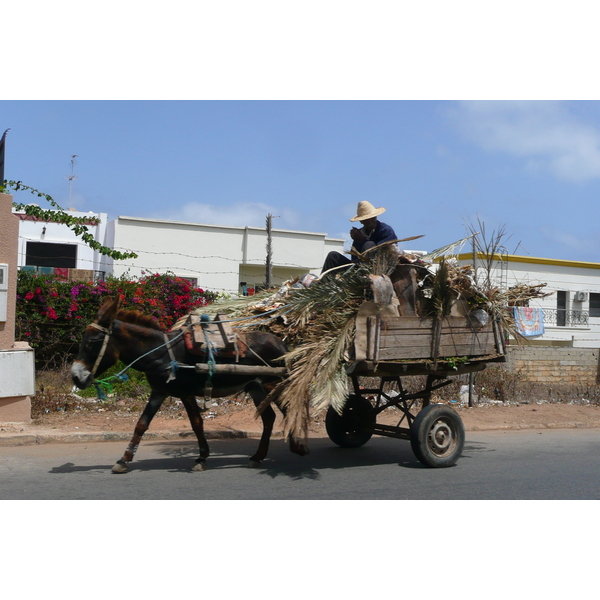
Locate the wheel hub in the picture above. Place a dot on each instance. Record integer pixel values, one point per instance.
(441, 437)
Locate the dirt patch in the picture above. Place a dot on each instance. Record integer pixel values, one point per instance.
(239, 415)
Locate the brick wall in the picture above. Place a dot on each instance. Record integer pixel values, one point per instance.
(556, 365)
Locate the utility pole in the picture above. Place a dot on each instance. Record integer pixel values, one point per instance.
(71, 179)
(269, 264)
(2, 154)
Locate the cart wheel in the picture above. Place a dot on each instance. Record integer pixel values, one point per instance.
(354, 427)
(437, 436)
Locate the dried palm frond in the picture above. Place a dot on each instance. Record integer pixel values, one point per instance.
(320, 331)
(447, 250)
(442, 294)
(234, 307)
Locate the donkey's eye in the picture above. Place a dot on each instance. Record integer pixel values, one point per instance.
(90, 343)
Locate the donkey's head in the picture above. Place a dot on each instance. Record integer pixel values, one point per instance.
(98, 351)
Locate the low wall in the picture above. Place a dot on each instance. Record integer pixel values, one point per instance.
(555, 365)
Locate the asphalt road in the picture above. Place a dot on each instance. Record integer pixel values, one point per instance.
(530, 464)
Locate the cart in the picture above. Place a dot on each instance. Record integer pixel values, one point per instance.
(392, 343)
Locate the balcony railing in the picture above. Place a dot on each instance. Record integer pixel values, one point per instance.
(560, 317)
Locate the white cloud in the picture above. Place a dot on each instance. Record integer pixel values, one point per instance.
(570, 241)
(242, 214)
(544, 133)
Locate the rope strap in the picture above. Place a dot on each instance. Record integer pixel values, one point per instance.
(173, 363)
(211, 360)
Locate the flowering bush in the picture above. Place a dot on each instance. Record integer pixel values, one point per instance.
(52, 314)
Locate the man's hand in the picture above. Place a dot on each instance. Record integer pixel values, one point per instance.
(357, 235)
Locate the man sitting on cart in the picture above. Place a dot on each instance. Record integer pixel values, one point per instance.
(372, 233)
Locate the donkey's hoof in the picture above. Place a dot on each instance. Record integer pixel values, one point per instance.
(120, 467)
(254, 464)
(200, 465)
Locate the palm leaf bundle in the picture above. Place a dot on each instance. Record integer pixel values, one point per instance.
(320, 324)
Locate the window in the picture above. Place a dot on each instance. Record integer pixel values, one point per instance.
(594, 305)
(43, 254)
(193, 281)
(561, 308)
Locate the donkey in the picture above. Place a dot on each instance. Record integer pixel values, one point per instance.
(135, 338)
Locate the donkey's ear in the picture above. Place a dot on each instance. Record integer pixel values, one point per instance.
(108, 311)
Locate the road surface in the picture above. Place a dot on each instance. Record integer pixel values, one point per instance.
(531, 464)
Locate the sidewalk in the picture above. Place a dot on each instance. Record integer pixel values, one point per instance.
(244, 425)
(25, 435)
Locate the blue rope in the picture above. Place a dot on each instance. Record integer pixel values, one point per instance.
(122, 376)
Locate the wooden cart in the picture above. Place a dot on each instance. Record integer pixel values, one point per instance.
(392, 343)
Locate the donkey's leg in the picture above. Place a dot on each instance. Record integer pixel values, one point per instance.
(195, 417)
(258, 394)
(154, 403)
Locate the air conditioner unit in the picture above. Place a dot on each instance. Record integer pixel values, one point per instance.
(580, 296)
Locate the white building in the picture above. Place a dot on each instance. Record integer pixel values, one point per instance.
(215, 257)
(571, 313)
(45, 246)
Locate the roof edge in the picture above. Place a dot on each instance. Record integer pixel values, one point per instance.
(235, 227)
(533, 260)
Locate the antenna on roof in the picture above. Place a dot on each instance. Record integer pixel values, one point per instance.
(71, 179)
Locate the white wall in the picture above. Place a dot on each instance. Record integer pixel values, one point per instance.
(219, 257)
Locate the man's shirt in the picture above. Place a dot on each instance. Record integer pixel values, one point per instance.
(382, 233)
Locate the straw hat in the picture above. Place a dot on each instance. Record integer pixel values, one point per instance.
(367, 211)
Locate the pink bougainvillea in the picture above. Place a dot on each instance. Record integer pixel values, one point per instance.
(52, 313)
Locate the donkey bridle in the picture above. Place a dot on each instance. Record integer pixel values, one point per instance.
(108, 332)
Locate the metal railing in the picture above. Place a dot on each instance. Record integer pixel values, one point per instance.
(565, 318)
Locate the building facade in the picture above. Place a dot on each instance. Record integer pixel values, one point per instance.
(567, 351)
(215, 257)
(47, 247)
(571, 313)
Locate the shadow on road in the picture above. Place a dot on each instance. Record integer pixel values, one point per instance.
(179, 457)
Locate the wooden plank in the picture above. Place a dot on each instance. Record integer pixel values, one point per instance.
(372, 337)
(406, 322)
(485, 340)
(233, 369)
(402, 323)
(389, 341)
(361, 340)
(225, 329)
(424, 352)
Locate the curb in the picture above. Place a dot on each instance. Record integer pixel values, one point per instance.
(48, 437)
(25, 438)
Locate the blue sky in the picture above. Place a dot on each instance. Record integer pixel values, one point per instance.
(436, 165)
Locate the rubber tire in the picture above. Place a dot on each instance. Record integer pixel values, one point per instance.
(441, 421)
(352, 428)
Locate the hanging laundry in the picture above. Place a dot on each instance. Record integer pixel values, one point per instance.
(529, 321)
